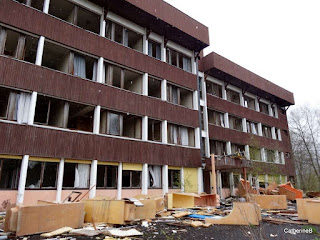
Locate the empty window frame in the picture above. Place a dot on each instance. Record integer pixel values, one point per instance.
(124, 36)
(64, 60)
(252, 127)
(14, 105)
(218, 148)
(174, 179)
(154, 87)
(255, 153)
(264, 107)
(131, 179)
(266, 131)
(80, 117)
(111, 122)
(18, 45)
(278, 134)
(107, 176)
(180, 135)
(123, 78)
(225, 179)
(132, 126)
(154, 49)
(9, 173)
(38, 4)
(269, 155)
(233, 96)
(235, 123)
(214, 89)
(155, 176)
(216, 118)
(274, 111)
(237, 148)
(41, 175)
(76, 175)
(154, 130)
(249, 102)
(75, 14)
(178, 59)
(180, 96)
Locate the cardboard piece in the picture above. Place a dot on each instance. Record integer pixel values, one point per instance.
(270, 201)
(33, 219)
(207, 200)
(243, 213)
(290, 192)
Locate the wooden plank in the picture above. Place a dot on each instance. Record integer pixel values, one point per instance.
(280, 221)
(271, 201)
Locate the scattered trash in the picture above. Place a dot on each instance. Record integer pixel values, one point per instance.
(125, 233)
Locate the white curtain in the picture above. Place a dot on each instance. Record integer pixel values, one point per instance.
(184, 136)
(23, 106)
(253, 127)
(82, 173)
(155, 176)
(186, 64)
(174, 130)
(125, 37)
(95, 71)
(79, 64)
(222, 120)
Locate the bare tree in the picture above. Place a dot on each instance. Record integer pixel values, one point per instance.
(305, 137)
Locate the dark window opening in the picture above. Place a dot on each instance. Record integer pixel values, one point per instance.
(80, 117)
(236, 180)
(264, 108)
(218, 148)
(233, 96)
(154, 87)
(76, 175)
(180, 96)
(214, 89)
(154, 49)
(270, 155)
(41, 175)
(252, 127)
(178, 59)
(216, 118)
(38, 4)
(237, 148)
(225, 180)
(9, 173)
(266, 131)
(174, 180)
(110, 123)
(249, 102)
(107, 176)
(132, 126)
(235, 123)
(131, 179)
(180, 135)
(154, 130)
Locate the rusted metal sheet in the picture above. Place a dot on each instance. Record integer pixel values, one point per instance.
(34, 78)
(41, 142)
(28, 19)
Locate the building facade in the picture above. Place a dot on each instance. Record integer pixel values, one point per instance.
(106, 97)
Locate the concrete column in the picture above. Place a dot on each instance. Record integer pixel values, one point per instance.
(32, 108)
(40, 51)
(22, 179)
(164, 131)
(197, 137)
(163, 51)
(145, 44)
(144, 183)
(231, 182)
(195, 100)
(277, 159)
(247, 151)
(164, 90)
(228, 146)
(219, 183)
(100, 70)
(224, 92)
(257, 182)
(193, 64)
(275, 111)
(145, 84)
(119, 187)
(96, 120)
(263, 155)
(273, 133)
(226, 120)
(257, 104)
(93, 178)
(270, 110)
(46, 4)
(266, 179)
(144, 128)
(200, 181)
(165, 187)
(260, 129)
(60, 180)
(282, 158)
(244, 125)
(182, 179)
(102, 26)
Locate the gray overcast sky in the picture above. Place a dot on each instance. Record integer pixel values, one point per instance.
(276, 39)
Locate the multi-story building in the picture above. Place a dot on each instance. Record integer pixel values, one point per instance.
(105, 97)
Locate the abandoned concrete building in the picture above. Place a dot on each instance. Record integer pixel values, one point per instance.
(110, 97)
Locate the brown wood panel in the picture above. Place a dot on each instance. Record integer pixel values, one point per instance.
(42, 142)
(27, 76)
(28, 19)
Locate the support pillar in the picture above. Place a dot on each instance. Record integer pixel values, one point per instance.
(40, 51)
(96, 120)
(119, 186)
(145, 78)
(144, 128)
(182, 179)
(46, 4)
(144, 183)
(200, 180)
(165, 187)
(164, 131)
(22, 179)
(60, 180)
(100, 70)
(32, 108)
(164, 90)
(231, 182)
(93, 179)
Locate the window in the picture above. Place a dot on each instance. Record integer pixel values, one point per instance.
(266, 131)
(264, 108)
(41, 175)
(107, 176)
(255, 153)
(154, 130)
(132, 126)
(174, 180)
(270, 155)
(180, 135)
(80, 117)
(216, 118)
(38, 4)
(214, 89)
(155, 176)
(111, 123)
(154, 87)
(218, 148)
(154, 49)
(178, 59)
(274, 111)
(131, 179)
(249, 102)
(76, 175)
(233, 96)
(225, 180)
(180, 96)
(237, 148)
(252, 127)
(235, 123)
(278, 134)
(9, 173)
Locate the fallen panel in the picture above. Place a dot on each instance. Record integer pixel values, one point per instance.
(180, 200)
(271, 201)
(290, 192)
(302, 208)
(207, 200)
(243, 213)
(313, 211)
(158, 198)
(147, 211)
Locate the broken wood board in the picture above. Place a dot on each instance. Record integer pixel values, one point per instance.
(196, 224)
(180, 200)
(243, 213)
(313, 211)
(158, 198)
(271, 201)
(271, 187)
(109, 211)
(10, 224)
(148, 211)
(207, 200)
(290, 192)
(57, 232)
(242, 190)
(280, 221)
(181, 214)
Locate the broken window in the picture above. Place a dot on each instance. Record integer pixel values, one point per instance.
(233, 96)
(80, 117)
(266, 131)
(154, 130)
(218, 148)
(154, 87)
(252, 127)
(255, 153)
(269, 155)
(178, 59)
(180, 96)
(216, 118)
(75, 14)
(14, 105)
(38, 4)
(237, 148)
(41, 174)
(111, 123)
(180, 135)
(264, 108)
(131, 179)
(174, 180)
(18, 45)
(107, 176)
(76, 175)
(132, 126)
(225, 180)
(214, 89)
(9, 173)
(154, 49)
(235, 123)
(155, 175)
(249, 102)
